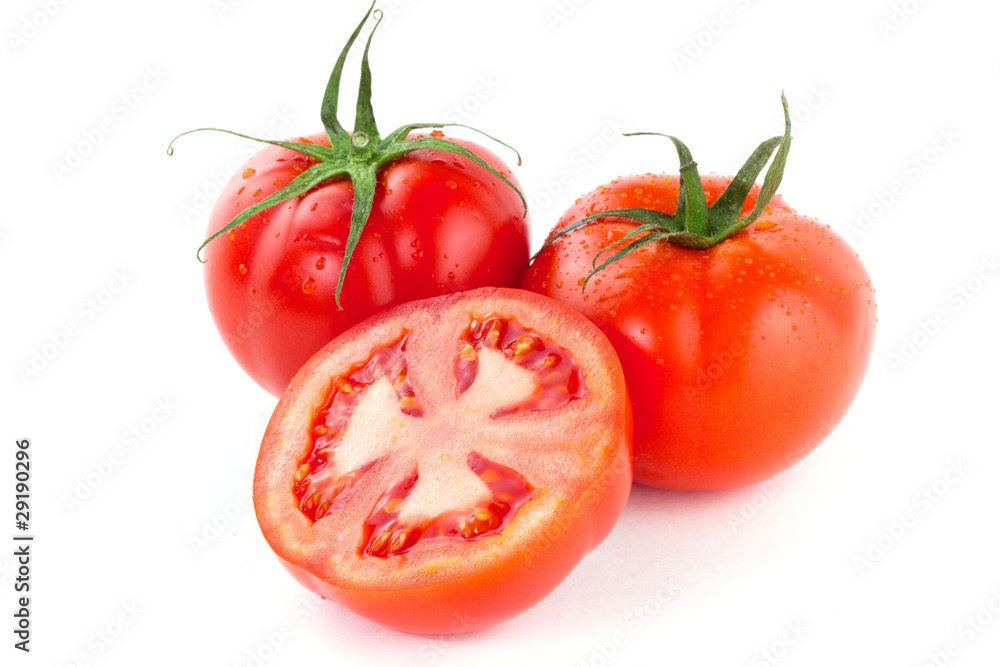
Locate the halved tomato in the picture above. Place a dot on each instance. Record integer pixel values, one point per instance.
(442, 466)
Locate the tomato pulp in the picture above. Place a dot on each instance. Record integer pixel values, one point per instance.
(443, 466)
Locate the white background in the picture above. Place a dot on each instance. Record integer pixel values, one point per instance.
(815, 567)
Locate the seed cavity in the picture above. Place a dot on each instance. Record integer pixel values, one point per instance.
(318, 490)
(386, 536)
(558, 378)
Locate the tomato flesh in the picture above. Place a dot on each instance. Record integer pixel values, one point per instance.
(385, 535)
(457, 455)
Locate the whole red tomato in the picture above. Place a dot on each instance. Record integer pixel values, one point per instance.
(314, 235)
(439, 223)
(741, 353)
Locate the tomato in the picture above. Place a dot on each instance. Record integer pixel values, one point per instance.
(741, 356)
(420, 215)
(442, 466)
(439, 223)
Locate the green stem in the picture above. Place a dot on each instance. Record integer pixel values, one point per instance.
(695, 224)
(358, 156)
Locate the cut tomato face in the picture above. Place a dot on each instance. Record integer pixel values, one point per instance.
(442, 467)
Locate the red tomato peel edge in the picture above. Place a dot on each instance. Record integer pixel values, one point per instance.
(571, 447)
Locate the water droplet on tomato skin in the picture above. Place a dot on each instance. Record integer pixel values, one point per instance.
(247, 173)
(243, 269)
(451, 185)
(320, 263)
(309, 286)
(771, 296)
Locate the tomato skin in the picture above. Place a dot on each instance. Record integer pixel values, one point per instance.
(495, 594)
(741, 358)
(430, 590)
(439, 224)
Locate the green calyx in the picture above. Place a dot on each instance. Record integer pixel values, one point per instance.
(695, 224)
(357, 156)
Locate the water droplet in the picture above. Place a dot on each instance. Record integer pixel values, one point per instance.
(247, 173)
(320, 263)
(309, 286)
(451, 275)
(243, 269)
(764, 225)
(770, 296)
(388, 192)
(451, 185)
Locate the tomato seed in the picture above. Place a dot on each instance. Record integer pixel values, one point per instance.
(398, 542)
